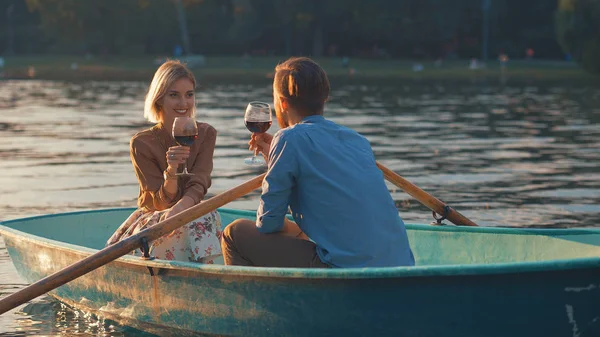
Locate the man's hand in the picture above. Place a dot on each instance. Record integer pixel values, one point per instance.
(261, 142)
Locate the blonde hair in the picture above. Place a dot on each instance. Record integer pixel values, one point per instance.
(167, 74)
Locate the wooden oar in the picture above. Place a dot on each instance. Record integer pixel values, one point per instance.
(425, 198)
(125, 246)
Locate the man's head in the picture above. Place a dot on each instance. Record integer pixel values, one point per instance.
(300, 89)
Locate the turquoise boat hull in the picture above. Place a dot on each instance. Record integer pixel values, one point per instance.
(467, 282)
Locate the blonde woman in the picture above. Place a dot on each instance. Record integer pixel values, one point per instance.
(157, 159)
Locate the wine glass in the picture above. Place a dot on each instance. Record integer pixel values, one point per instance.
(185, 132)
(258, 120)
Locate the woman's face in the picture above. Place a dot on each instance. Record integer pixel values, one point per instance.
(178, 101)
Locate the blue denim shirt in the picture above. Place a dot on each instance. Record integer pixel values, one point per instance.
(327, 175)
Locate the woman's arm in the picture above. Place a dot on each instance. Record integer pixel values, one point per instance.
(197, 185)
(155, 193)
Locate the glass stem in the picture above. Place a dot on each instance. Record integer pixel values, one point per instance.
(185, 171)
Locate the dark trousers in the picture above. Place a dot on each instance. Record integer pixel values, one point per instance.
(243, 245)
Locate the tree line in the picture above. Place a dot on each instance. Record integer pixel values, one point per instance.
(578, 31)
(416, 29)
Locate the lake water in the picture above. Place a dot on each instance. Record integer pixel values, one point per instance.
(502, 155)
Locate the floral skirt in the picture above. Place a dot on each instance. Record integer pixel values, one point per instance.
(197, 241)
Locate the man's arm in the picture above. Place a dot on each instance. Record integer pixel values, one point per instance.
(277, 185)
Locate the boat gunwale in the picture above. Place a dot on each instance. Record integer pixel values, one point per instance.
(333, 273)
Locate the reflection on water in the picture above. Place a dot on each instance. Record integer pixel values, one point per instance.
(501, 155)
(47, 317)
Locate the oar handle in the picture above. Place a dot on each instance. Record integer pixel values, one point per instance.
(425, 198)
(125, 246)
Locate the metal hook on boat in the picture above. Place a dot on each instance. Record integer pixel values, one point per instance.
(145, 250)
(438, 221)
(146, 254)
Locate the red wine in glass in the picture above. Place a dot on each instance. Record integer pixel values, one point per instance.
(185, 132)
(185, 140)
(258, 127)
(258, 120)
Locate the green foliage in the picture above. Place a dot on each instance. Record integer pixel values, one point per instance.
(578, 31)
(425, 29)
(103, 27)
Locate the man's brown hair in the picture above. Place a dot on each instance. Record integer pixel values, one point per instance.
(303, 83)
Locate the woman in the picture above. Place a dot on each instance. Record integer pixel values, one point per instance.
(156, 159)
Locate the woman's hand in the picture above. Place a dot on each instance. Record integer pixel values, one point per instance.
(177, 155)
(183, 204)
(261, 142)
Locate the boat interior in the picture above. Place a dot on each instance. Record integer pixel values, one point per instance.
(431, 245)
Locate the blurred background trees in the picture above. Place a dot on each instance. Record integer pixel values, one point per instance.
(411, 29)
(578, 31)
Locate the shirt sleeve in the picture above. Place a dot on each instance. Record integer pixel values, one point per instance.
(197, 185)
(277, 185)
(150, 177)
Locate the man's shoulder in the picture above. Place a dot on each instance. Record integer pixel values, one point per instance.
(289, 133)
(305, 128)
(349, 131)
(298, 131)
(346, 133)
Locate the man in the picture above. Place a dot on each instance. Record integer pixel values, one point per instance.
(327, 175)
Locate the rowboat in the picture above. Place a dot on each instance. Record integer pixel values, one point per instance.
(469, 281)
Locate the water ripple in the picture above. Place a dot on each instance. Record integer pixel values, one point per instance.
(501, 155)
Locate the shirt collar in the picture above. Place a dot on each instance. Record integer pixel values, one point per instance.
(312, 119)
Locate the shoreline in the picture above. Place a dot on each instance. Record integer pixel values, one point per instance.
(215, 69)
